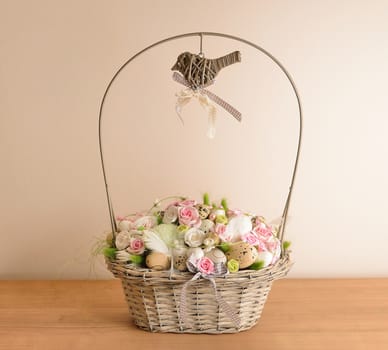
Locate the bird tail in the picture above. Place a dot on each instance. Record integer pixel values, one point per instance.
(227, 60)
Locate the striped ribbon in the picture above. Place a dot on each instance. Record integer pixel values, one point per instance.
(230, 109)
(224, 306)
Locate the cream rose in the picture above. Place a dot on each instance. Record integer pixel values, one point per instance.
(170, 215)
(194, 237)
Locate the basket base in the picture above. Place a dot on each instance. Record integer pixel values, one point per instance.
(154, 299)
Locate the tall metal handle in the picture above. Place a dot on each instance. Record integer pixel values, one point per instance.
(201, 35)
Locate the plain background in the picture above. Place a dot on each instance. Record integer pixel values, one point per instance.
(57, 58)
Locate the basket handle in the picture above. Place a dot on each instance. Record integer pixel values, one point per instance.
(201, 35)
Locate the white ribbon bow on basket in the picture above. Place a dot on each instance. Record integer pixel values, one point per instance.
(204, 96)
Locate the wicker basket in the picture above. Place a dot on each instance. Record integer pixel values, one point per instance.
(168, 301)
(154, 298)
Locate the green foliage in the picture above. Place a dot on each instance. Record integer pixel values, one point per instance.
(225, 247)
(257, 265)
(286, 245)
(206, 199)
(224, 204)
(137, 259)
(109, 252)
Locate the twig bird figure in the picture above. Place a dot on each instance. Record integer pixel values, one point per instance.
(200, 71)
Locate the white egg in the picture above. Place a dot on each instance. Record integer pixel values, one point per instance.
(217, 256)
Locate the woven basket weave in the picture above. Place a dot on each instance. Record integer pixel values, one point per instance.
(154, 297)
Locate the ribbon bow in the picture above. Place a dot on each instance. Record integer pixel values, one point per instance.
(204, 96)
(224, 306)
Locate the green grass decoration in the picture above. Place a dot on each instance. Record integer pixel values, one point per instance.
(224, 204)
(258, 265)
(206, 199)
(137, 259)
(225, 247)
(110, 252)
(286, 245)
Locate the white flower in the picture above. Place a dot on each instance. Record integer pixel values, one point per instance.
(122, 240)
(194, 237)
(238, 226)
(265, 257)
(125, 225)
(147, 222)
(194, 254)
(170, 215)
(122, 255)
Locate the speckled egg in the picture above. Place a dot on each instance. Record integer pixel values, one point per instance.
(180, 262)
(158, 261)
(244, 253)
(203, 210)
(180, 258)
(207, 225)
(217, 256)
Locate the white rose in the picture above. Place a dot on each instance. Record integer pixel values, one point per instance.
(194, 254)
(122, 240)
(124, 225)
(170, 215)
(147, 222)
(194, 237)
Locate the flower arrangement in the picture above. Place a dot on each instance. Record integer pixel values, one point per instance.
(187, 235)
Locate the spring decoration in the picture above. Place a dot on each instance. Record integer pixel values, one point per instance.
(197, 266)
(191, 237)
(196, 73)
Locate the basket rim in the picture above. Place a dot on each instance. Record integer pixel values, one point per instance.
(130, 270)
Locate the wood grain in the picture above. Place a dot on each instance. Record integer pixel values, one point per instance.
(299, 314)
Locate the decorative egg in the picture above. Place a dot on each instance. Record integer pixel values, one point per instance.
(158, 261)
(180, 262)
(217, 256)
(203, 210)
(207, 225)
(211, 239)
(180, 258)
(244, 253)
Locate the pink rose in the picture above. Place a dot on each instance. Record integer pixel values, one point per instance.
(263, 231)
(220, 230)
(234, 212)
(250, 238)
(205, 265)
(187, 203)
(189, 216)
(136, 246)
(147, 222)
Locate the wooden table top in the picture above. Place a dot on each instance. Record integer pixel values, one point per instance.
(299, 314)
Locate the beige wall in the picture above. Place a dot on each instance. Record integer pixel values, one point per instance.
(57, 57)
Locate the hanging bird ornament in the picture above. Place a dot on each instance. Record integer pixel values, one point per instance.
(196, 73)
(200, 71)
